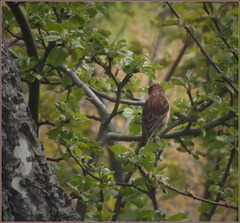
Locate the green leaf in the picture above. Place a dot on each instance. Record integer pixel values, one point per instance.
(157, 67)
(104, 32)
(188, 74)
(57, 56)
(150, 147)
(105, 84)
(166, 85)
(178, 81)
(54, 27)
(145, 216)
(215, 189)
(205, 207)
(214, 176)
(78, 20)
(137, 202)
(147, 164)
(159, 216)
(169, 23)
(129, 168)
(53, 133)
(76, 55)
(135, 126)
(128, 113)
(75, 188)
(213, 74)
(215, 145)
(66, 81)
(218, 211)
(118, 149)
(80, 117)
(53, 36)
(216, 99)
(66, 155)
(141, 181)
(181, 149)
(196, 157)
(222, 138)
(83, 145)
(228, 192)
(177, 217)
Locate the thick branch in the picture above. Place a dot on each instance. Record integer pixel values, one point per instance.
(94, 99)
(34, 87)
(104, 126)
(176, 134)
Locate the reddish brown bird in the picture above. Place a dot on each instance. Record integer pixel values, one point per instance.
(156, 111)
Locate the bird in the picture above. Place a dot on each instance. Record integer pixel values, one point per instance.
(155, 115)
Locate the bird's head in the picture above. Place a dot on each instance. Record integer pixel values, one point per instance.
(155, 89)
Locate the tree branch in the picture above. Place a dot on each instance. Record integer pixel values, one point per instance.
(225, 176)
(85, 170)
(106, 122)
(132, 185)
(213, 18)
(184, 146)
(94, 99)
(201, 48)
(53, 159)
(176, 134)
(107, 69)
(188, 194)
(178, 59)
(113, 99)
(33, 99)
(94, 117)
(45, 123)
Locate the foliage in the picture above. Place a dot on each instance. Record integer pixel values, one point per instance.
(73, 34)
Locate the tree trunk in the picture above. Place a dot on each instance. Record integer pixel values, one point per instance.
(30, 190)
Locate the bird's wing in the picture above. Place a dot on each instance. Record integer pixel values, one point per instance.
(155, 115)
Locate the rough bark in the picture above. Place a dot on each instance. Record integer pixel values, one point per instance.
(30, 190)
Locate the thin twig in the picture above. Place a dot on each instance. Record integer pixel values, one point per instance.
(94, 117)
(188, 194)
(216, 23)
(11, 33)
(225, 176)
(190, 95)
(46, 123)
(201, 48)
(54, 159)
(132, 185)
(107, 69)
(81, 165)
(136, 102)
(40, 34)
(178, 59)
(184, 146)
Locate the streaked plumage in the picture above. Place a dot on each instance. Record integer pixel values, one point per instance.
(155, 114)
